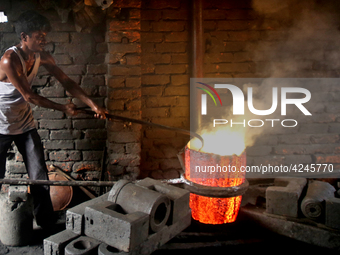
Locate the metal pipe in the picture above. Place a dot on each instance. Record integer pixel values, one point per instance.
(56, 183)
(142, 122)
(197, 56)
(197, 39)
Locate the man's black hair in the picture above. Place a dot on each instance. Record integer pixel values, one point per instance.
(31, 21)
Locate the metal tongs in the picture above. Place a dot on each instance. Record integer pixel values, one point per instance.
(142, 122)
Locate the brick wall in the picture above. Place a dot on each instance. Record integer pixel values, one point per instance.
(124, 89)
(140, 63)
(242, 39)
(165, 79)
(75, 144)
(256, 39)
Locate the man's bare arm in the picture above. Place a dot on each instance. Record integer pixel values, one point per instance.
(71, 86)
(11, 65)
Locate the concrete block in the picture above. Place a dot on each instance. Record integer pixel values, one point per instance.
(55, 245)
(75, 216)
(179, 197)
(313, 204)
(110, 224)
(105, 249)
(332, 212)
(83, 245)
(133, 198)
(283, 198)
(17, 193)
(158, 239)
(16, 221)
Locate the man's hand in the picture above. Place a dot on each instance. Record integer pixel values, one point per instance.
(70, 109)
(100, 112)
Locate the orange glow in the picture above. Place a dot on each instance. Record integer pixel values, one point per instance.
(211, 210)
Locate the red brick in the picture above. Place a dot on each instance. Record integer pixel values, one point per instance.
(155, 79)
(155, 112)
(327, 159)
(123, 70)
(86, 166)
(242, 57)
(116, 105)
(145, 25)
(325, 138)
(240, 14)
(171, 69)
(160, 101)
(152, 37)
(235, 46)
(243, 36)
(125, 48)
(92, 155)
(133, 148)
(152, 91)
(176, 91)
(168, 26)
(213, 14)
(180, 58)
(133, 60)
(183, 101)
(156, 58)
(128, 4)
(123, 137)
(133, 82)
(134, 105)
(171, 47)
(124, 94)
(156, 4)
(116, 82)
(227, 67)
(148, 68)
(177, 37)
(180, 79)
(65, 156)
(233, 25)
(151, 15)
(159, 133)
(114, 58)
(148, 48)
(118, 25)
(209, 25)
(290, 149)
(179, 112)
(59, 145)
(220, 57)
(116, 37)
(175, 14)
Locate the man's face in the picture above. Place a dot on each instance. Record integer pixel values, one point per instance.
(37, 41)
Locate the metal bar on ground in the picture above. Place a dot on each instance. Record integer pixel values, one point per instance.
(56, 183)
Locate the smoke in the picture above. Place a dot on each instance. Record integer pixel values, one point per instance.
(305, 43)
(300, 39)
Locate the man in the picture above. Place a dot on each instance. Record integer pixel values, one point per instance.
(18, 67)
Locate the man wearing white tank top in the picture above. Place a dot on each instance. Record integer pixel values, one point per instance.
(18, 68)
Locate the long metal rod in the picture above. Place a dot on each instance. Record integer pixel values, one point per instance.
(179, 130)
(56, 183)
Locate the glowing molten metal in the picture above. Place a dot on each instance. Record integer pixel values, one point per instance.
(223, 149)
